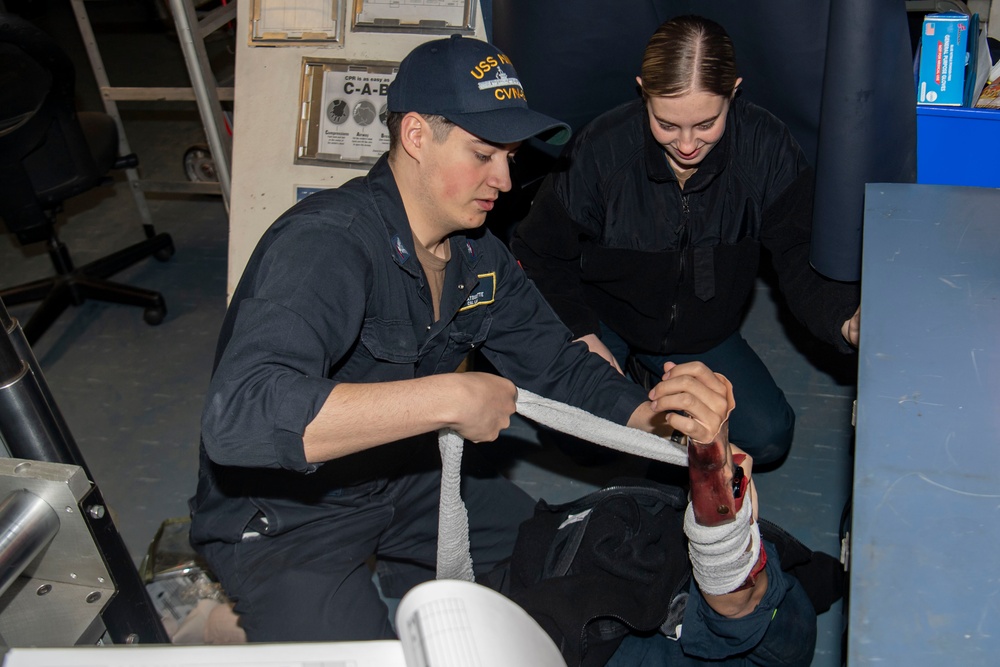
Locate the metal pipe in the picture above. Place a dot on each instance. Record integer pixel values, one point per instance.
(10, 361)
(26, 424)
(25, 395)
(28, 525)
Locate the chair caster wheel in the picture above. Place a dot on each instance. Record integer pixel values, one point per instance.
(154, 316)
(163, 254)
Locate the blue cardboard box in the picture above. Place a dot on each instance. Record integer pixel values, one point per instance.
(943, 54)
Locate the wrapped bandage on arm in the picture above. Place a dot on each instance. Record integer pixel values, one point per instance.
(725, 557)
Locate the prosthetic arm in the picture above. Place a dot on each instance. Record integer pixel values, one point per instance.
(723, 536)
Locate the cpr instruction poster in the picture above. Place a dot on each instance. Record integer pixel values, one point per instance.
(353, 127)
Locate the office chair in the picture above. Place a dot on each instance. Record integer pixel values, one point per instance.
(48, 154)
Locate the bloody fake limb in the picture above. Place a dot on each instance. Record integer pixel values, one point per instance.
(716, 482)
(710, 469)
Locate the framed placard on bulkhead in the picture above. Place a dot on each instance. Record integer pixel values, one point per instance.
(435, 17)
(343, 111)
(296, 22)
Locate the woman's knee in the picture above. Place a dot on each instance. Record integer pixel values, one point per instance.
(766, 434)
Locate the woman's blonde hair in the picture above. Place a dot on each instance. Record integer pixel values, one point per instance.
(688, 54)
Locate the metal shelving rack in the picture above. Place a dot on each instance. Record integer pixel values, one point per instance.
(205, 91)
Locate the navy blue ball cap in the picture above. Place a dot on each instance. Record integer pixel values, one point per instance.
(473, 84)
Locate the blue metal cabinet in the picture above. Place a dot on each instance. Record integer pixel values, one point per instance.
(925, 538)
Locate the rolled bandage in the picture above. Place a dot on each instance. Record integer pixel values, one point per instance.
(723, 556)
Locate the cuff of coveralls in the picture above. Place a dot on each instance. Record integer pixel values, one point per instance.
(627, 402)
(300, 405)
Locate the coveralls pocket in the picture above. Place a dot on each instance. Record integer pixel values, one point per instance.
(390, 341)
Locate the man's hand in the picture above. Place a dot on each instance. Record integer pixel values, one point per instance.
(598, 347)
(693, 400)
(484, 409)
(851, 329)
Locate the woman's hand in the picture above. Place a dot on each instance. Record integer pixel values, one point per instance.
(599, 348)
(851, 329)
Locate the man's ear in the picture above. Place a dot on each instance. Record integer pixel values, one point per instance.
(413, 132)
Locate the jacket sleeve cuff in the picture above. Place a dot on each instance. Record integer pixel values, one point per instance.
(708, 634)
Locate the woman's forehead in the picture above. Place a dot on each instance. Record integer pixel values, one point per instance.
(692, 107)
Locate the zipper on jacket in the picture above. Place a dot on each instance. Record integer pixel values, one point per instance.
(683, 239)
(682, 243)
(670, 325)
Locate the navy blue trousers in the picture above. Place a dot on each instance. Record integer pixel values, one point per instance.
(762, 423)
(314, 583)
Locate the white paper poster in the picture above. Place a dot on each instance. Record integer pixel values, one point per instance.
(353, 127)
